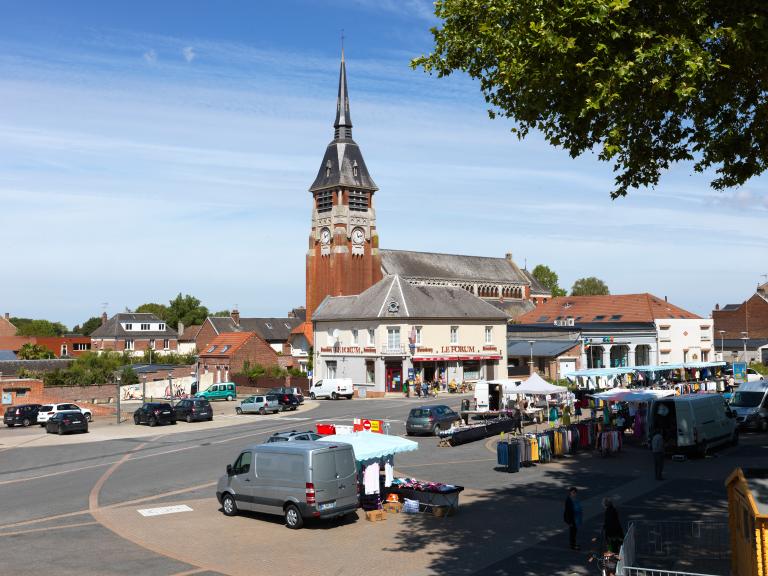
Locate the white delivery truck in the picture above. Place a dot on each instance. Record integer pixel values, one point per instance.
(693, 422)
(750, 402)
(493, 396)
(333, 388)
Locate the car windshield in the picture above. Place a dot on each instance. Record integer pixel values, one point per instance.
(420, 413)
(46, 408)
(746, 399)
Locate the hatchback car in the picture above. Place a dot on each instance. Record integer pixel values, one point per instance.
(47, 410)
(430, 419)
(295, 390)
(22, 415)
(154, 413)
(293, 435)
(66, 421)
(260, 404)
(287, 401)
(191, 409)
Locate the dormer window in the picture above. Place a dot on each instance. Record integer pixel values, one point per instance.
(268, 325)
(129, 326)
(328, 169)
(145, 326)
(225, 348)
(161, 327)
(354, 169)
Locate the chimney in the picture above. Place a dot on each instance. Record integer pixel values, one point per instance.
(236, 316)
(7, 316)
(717, 306)
(508, 256)
(103, 318)
(180, 328)
(665, 298)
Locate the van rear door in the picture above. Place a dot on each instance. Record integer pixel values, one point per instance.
(481, 396)
(685, 423)
(333, 475)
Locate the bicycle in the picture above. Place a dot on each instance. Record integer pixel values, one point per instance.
(605, 562)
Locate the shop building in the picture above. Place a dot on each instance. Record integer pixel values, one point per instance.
(395, 331)
(742, 329)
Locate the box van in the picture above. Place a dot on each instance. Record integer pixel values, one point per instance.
(223, 391)
(694, 422)
(296, 480)
(332, 388)
(750, 402)
(494, 396)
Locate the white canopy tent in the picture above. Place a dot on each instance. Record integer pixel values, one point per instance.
(636, 395)
(535, 384)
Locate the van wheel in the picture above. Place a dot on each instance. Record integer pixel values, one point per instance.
(238, 410)
(135, 419)
(293, 518)
(349, 396)
(262, 411)
(312, 396)
(228, 505)
(153, 422)
(701, 450)
(89, 417)
(334, 396)
(189, 418)
(25, 422)
(229, 398)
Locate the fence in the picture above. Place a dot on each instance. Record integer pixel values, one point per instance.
(658, 548)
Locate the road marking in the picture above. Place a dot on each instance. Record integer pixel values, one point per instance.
(164, 510)
(50, 528)
(294, 418)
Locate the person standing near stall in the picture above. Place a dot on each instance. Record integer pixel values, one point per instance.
(657, 448)
(572, 516)
(612, 530)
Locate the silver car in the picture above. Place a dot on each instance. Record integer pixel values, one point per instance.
(259, 404)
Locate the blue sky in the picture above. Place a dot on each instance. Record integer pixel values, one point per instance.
(151, 148)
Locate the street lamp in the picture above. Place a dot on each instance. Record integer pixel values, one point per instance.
(170, 386)
(530, 365)
(722, 347)
(744, 338)
(118, 398)
(143, 388)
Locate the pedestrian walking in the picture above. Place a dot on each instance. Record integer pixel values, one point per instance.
(657, 448)
(572, 517)
(517, 419)
(612, 530)
(425, 389)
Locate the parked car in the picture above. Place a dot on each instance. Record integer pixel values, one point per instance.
(333, 388)
(47, 410)
(693, 422)
(66, 421)
(287, 401)
(224, 391)
(293, 435)
(296, 480)
(22, 415)
(750, 402)
(752, 374)
(191, 409)
(260, 403)
(295, 390)
(154, 413)
(430, 419)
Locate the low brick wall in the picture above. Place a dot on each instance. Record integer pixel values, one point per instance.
(31, 391)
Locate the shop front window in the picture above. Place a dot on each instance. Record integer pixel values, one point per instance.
(330, 369)
(471, 370)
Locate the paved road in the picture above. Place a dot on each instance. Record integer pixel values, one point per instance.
(76, 504)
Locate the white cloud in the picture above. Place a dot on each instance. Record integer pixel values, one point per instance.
(150, 56)
(189, 53)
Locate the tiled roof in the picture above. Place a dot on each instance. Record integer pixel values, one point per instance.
(190, 333)
(225, 345)
(305, 328)
(513, 308)
(6, 328)
(613, 308)
(114, 329)
(451, 267)
(409, 302)
(270, 329)
(15, 342)
(536, 287)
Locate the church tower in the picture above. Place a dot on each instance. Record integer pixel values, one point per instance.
(343, 256)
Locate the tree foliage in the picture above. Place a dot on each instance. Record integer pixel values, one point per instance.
(186, 309)
(34, 352)
(548, 278)
(128, 376)
(590, 286)
(88, 368)
(644, 83)
(88, 326)
(30, 327)
(159, 310)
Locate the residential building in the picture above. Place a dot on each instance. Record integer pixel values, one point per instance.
(395, 330)
(743, 326)
(134, 332)
(6, 328)
(69, 345)
(616, 330)
(227, 353)
(188, 338)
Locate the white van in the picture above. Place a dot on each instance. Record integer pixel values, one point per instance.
(492, 397)
(750, 402)
(332, 388)
(694, 422)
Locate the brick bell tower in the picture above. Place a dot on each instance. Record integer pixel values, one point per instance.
(343, 256)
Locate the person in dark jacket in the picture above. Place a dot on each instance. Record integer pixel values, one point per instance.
(572, 517)
(614, 533)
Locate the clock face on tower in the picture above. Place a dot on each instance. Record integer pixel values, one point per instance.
(358, 236)
(325, 236)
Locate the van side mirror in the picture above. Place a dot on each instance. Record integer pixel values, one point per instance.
(230, 471)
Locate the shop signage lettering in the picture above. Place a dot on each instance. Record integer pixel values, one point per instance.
(347, 350)
(454, 349)
(489, 348)
(424, 350)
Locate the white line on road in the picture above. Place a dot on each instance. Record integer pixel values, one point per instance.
(164, 510)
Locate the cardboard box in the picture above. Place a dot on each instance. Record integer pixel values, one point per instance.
(375, 515)
(393, 507)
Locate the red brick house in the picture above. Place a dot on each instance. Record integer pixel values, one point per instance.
(134, 333)
(69, 345)
(6, 328)
(735, 322)
(227, 353)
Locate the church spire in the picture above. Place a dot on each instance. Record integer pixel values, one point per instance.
(343, 123)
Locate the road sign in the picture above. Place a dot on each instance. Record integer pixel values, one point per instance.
(740, 372)
(360, 424)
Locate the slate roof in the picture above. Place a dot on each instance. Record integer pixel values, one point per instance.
(225, 345)
(730, 307)
(114, 329)
(425, 265)
(270, 329)
(190, 333)
(7, 355)
(410, 301)
(536, 287)
(544, 348)
(513, 308)
(612, 308)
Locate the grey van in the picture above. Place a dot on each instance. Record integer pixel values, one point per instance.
(297, 480)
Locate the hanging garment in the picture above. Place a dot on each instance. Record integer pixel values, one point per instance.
(371, 478)
(389, 473)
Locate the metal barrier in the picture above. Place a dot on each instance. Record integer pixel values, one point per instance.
(627, 551)
(632, 571)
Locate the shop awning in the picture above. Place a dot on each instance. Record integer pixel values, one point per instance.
(371, 445)
(541, 348)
